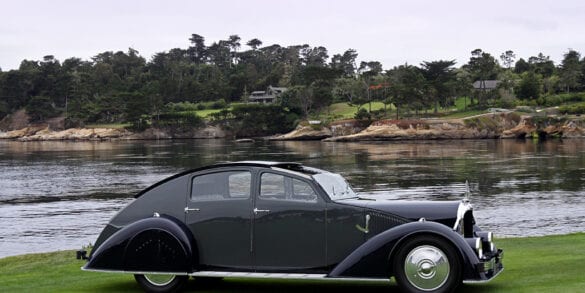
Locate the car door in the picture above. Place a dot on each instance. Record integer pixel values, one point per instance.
(289, 224)
(218, 213)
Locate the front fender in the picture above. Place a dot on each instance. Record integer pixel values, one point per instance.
(157, 244)
(372, 259)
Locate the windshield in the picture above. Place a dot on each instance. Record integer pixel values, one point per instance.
(335, 185)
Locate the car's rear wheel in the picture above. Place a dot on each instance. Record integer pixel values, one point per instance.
(427, 263)
(161, 282)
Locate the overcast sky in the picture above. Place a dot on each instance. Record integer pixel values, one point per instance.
(392, 32)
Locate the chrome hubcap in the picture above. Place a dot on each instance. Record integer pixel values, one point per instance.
(159, 280)
(426, 268)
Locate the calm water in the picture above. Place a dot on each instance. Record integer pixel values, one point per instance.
(59, 195)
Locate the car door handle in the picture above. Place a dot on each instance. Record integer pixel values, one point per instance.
(187, 210)
(256, 211)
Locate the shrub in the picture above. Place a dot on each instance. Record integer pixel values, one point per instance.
(261, 120)
(178, 120)
(219, 104)
(362, 114)
(573, 109)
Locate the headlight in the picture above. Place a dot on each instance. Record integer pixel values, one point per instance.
(488, 240)
(477, 245)
(486, 236)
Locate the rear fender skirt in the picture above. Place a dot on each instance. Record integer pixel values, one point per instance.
(372, 259)
(158, 244)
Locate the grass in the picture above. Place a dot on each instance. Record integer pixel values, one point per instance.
(207, 112)
(463, 114)
(536, 264)
(109, 125)
(345, 111)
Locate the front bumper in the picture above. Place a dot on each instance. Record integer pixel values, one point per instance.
(489, 268)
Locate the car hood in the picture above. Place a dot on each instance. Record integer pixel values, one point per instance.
(444, 212)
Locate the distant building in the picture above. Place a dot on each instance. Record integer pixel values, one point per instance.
(486, 85)
(266, 97)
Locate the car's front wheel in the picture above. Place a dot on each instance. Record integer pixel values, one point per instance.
(427, 263)
(161, 282)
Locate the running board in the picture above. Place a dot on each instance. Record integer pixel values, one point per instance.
(252, 275)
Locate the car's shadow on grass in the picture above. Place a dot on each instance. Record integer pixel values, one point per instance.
(300, 286)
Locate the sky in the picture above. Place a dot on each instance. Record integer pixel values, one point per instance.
(393, 32)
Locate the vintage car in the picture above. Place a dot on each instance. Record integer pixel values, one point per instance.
(260, 219)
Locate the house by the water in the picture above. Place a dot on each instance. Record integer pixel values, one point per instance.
(266, 97)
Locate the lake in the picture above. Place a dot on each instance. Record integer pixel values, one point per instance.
(59, 195)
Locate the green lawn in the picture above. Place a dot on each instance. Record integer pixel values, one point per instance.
(344, 111)
(538, 264)
(109, 125)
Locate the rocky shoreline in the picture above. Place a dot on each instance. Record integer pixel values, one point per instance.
(44, 133)
(486, 126)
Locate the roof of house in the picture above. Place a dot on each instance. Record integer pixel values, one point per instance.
(485, 84)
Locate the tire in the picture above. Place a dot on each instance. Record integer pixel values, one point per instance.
(161, 282)
(427, 263)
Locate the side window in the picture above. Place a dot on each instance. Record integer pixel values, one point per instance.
(279, 187)
(272, 186)
(221, 186)
(302, 191)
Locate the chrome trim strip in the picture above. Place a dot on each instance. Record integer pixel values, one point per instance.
(250, 275)
(292, 276)
(135, 272)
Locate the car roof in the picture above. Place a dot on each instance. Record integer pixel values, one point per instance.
(290, 166)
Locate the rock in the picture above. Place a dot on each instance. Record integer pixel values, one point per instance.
(572, 129)
(76, 134)
(304, 133)
(24, 132)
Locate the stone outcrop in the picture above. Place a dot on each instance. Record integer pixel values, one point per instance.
(493, 125)
(304, 133)
(546, 127)
(572, 129)
(312, 132)
(44, 132)
(414, 130)
(76, 134)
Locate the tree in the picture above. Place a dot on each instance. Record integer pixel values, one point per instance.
(530, 86)
(197, 52)
(508, 58)
(542, 65)
(254, 43)
(370, 68)
(136, 106)
(482, 66)
(570, 70)
(521, 66)
(234, 43)
(463, 84)
(440, 77)
(298, 98)
(350, 90)
(407, 87)
(345, 62)
(39, 108)
(219, 54)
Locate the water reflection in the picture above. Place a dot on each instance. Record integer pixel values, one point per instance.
(58, 195)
